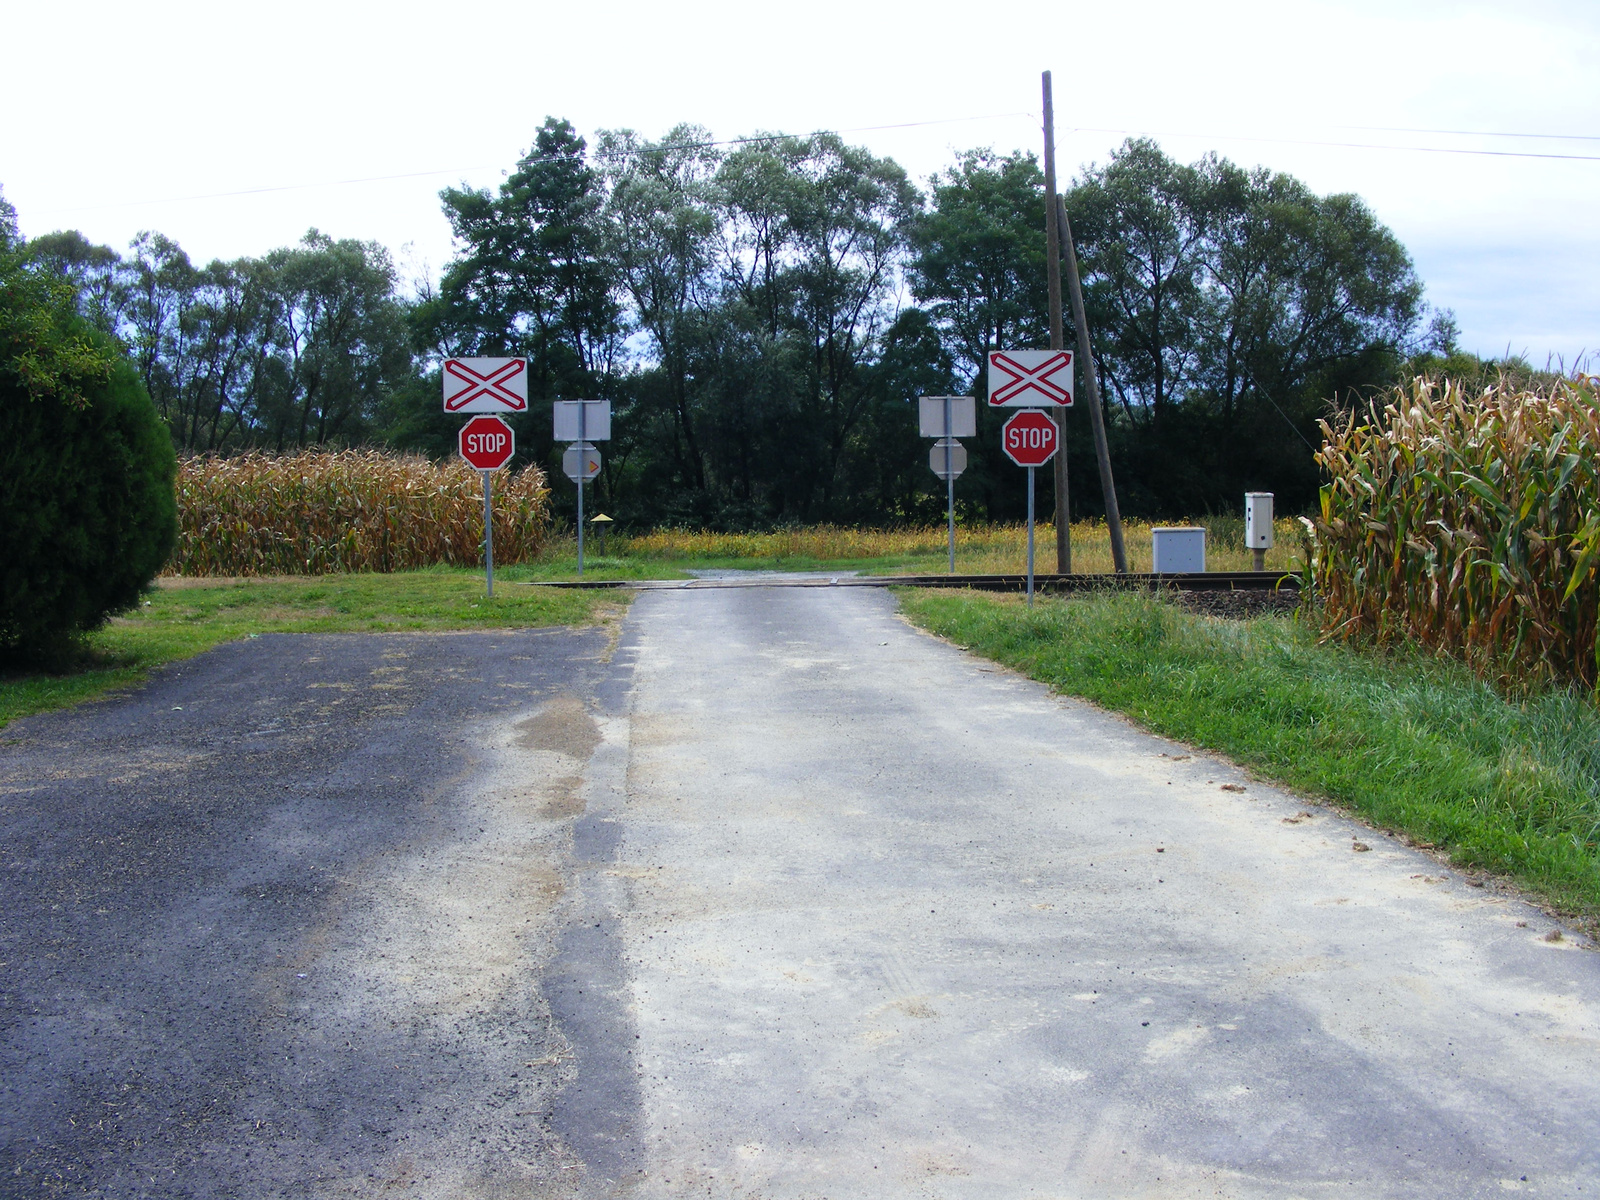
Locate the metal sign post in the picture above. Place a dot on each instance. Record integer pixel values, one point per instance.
(949, 485)
(488, 533)
(1039, 379)
(1030, 439)
(1031, 471)
(948, 418)
(581, 440)
(486, 385)
(577, 421)
(487, 443)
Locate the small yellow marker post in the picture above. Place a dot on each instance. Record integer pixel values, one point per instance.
(601, 523)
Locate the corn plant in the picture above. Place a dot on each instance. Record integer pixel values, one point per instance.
(1468, 521)
(354, 510)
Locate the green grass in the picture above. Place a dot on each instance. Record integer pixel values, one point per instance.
(1412, 743)
(182, 618)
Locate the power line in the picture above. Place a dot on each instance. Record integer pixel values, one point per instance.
(1554, 137)
(775, 137)
(1239, 137)
(1348, 146)
(284, 187)
(298, 187)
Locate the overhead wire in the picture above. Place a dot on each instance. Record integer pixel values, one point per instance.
(296, 187)
(756, 139)
(1556, 137)
(1239, 137)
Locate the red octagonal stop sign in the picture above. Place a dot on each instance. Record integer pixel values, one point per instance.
(486, 443)
(1030, 438)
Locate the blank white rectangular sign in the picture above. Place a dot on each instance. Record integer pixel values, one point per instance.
(596, 420)
(963, 416)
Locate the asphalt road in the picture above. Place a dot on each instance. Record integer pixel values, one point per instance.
(273, 925)
(778, 898)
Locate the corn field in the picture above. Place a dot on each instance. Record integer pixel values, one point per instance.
(1469, 522)
(355, 510)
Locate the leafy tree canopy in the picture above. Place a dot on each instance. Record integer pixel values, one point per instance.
(763, 314)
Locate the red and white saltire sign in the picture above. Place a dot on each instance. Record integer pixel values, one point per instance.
(1030, 378)
(494, 385)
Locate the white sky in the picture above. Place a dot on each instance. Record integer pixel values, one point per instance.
(121, 117)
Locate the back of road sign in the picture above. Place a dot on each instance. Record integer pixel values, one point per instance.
(963, 416)
(596, 420)
(581, 461)
(958, 459)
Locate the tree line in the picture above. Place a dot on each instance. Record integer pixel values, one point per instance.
(763, 314)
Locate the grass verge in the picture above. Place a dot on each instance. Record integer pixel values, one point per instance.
(1411, 743)
(184, 617)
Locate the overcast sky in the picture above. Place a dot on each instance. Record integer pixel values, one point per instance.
(234, 128)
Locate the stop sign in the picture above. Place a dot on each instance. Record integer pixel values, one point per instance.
(1030, 438)
(486, 443)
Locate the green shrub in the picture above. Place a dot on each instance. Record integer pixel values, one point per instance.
(87, 512)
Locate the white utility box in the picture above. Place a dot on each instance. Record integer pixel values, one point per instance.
(1177, 548)
(1258, 520)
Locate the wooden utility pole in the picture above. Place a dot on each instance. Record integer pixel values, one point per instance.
(1091, 387)
(1052, 237)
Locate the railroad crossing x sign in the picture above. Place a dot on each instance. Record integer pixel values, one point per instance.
(485, 385)
(1030, 378)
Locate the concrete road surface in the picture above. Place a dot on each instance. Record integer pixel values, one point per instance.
(780, 899)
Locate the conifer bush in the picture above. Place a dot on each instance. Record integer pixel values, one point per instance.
(87, 514)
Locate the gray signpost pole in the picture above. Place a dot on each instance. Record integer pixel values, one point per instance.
(1030, 536)
(583, 464)
(488, 532)
(949, 476)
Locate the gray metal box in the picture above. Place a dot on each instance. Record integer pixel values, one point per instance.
(1177, 548)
